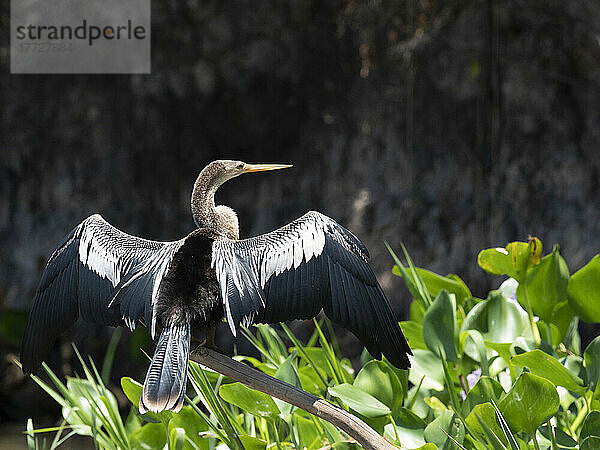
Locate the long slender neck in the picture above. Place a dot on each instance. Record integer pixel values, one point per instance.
(220, 219)
(203, 201)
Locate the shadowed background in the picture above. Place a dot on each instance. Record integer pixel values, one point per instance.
(449, 126)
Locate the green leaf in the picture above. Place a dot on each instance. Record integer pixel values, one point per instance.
(412, 279)
(133, 421)
(379, 380)
(409, 437)
(332, 433)
(426, 364)
(308, 431)
(562, 438)
(547, 286)
(524, 258)
(109, 356)
(133, 391)
(439, 327)
(361, 402)
(591, 426)
(562, 316)
(496, 261)
(590, 443)
(508, 434)
(491, 436)
(206, 393)
(584, 291)
(498, 320)
(531, 401)
(151, 436)
(255, 402)
(485, 390)
(193, 425)
(252, 443)
(404, 417)
(417, 312)
(446, 424)
(436, 283)
(451, 384)
(514, 260)
(479, 342)
(591, 356)
(548, 367)
(503, 350)
(410, 428)
(176, 438)
(555, 336)
(287, 372)
(413, 332)
(482, 420)
(572, 339)
(310, 380)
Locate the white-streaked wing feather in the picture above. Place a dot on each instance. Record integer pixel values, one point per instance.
(310, 264)
(95, 268)
(273, 253)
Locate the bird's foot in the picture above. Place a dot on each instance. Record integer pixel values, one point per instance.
(209, 342)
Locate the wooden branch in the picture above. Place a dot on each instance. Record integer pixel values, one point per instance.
(255, 379)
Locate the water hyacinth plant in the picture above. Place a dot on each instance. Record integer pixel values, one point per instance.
(506, 372)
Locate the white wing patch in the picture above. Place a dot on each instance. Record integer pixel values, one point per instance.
(98, 258)
(110, 253)
(271, 254)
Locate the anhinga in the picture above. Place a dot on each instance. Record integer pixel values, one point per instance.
(113, 278)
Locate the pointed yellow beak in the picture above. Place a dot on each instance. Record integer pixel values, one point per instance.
(262, 167)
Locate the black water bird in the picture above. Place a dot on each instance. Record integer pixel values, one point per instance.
(113, 278)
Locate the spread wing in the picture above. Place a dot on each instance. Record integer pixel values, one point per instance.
(310, 264)
(107, 276)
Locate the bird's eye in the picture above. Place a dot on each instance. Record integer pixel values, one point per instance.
(240, 166)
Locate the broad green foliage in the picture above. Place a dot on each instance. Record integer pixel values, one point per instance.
(439, 327)
(413, 332)
(483, 421)
(504, 373)
(544, 365)
(445, 431)
(584, 291)
(361, 402)
(498, 320)
(256, 403)
(591, 356)
(485, 390)
(546, 285)
(530, 402)
(591, 425)
(436, 283)
(379, 380)
(514, 260)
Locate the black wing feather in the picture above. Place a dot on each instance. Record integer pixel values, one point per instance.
(84, 276)
(333, 274)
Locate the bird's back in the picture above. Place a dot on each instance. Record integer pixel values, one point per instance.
(189, 290)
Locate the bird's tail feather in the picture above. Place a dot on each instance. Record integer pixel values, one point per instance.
(164, 387)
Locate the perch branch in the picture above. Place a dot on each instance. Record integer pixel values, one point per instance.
(356, 428)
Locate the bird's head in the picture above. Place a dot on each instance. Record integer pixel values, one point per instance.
(224, 169)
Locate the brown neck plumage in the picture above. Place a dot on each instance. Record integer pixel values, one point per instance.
(203, 200)
(220, 219)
